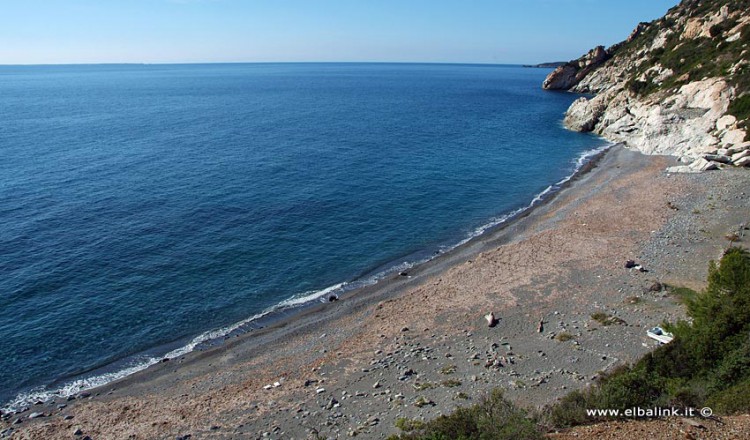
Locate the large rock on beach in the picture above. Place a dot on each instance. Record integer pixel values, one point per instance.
(584, 113)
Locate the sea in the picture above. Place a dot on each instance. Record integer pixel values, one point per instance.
(149, 210)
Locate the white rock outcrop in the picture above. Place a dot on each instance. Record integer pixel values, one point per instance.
(648, 106)
(684, 124)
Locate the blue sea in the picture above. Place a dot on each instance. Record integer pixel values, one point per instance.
(145, 209)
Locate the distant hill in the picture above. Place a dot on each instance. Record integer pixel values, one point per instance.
(551, 65)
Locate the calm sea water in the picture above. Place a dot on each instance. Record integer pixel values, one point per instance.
(141, 206)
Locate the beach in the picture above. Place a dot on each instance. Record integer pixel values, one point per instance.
(417, 345)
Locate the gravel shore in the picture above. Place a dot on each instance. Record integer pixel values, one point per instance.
(418, 346)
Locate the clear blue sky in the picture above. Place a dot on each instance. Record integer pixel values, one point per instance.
(173, 31)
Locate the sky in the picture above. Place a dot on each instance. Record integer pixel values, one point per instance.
(190, 31)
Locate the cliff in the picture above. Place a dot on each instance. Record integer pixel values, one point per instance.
(679, 85)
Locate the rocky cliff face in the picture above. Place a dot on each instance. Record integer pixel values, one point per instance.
(679, 85)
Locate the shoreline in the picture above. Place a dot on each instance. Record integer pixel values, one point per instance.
(103, 376)
(376, 353)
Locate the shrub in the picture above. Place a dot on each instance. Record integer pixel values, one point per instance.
(683, 294)
(740, 107)
(493, 418)
(731, 400)
(409, 425)
(606, 319)
(707, 364)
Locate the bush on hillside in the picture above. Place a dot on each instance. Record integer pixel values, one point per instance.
(707, 364)
(493, 418)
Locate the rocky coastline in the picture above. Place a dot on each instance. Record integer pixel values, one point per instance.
(652, 95)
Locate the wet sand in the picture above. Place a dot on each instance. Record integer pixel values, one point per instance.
(418, 346)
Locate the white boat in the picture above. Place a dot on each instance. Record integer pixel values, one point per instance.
(660, 335)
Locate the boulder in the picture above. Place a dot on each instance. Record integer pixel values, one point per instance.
(733, 137)
(584, 114)
(745, 161)
(740, 155)
(681, 169)
(702, 164)
(725, 122)
(738, 148)
(562, 78)
(718, 158)
(569, 74)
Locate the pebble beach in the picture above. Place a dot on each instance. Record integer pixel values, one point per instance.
(418, 345)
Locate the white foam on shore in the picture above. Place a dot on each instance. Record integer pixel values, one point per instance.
(75, 387)
(580, 161)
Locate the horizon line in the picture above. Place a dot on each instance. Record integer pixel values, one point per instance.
(136, 63)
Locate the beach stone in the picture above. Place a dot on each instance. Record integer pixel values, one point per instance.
(331, 403)
(68, 417)
(77, 432)
(718, 158)
(738, 148)
(680, 169)
(745, 161)
(740, 155)
(36, 415)
(725, 122)
(702, 164)
(656, 287)
(629, 264)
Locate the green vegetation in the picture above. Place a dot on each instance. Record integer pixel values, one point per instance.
(707, 364)
(606, 319)
(740, 107)
(422, 401)
(493, 418)
(684, 294)
(692, 59)
(409, 425)
(450, 369)
(423, 386)
(451, 383)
